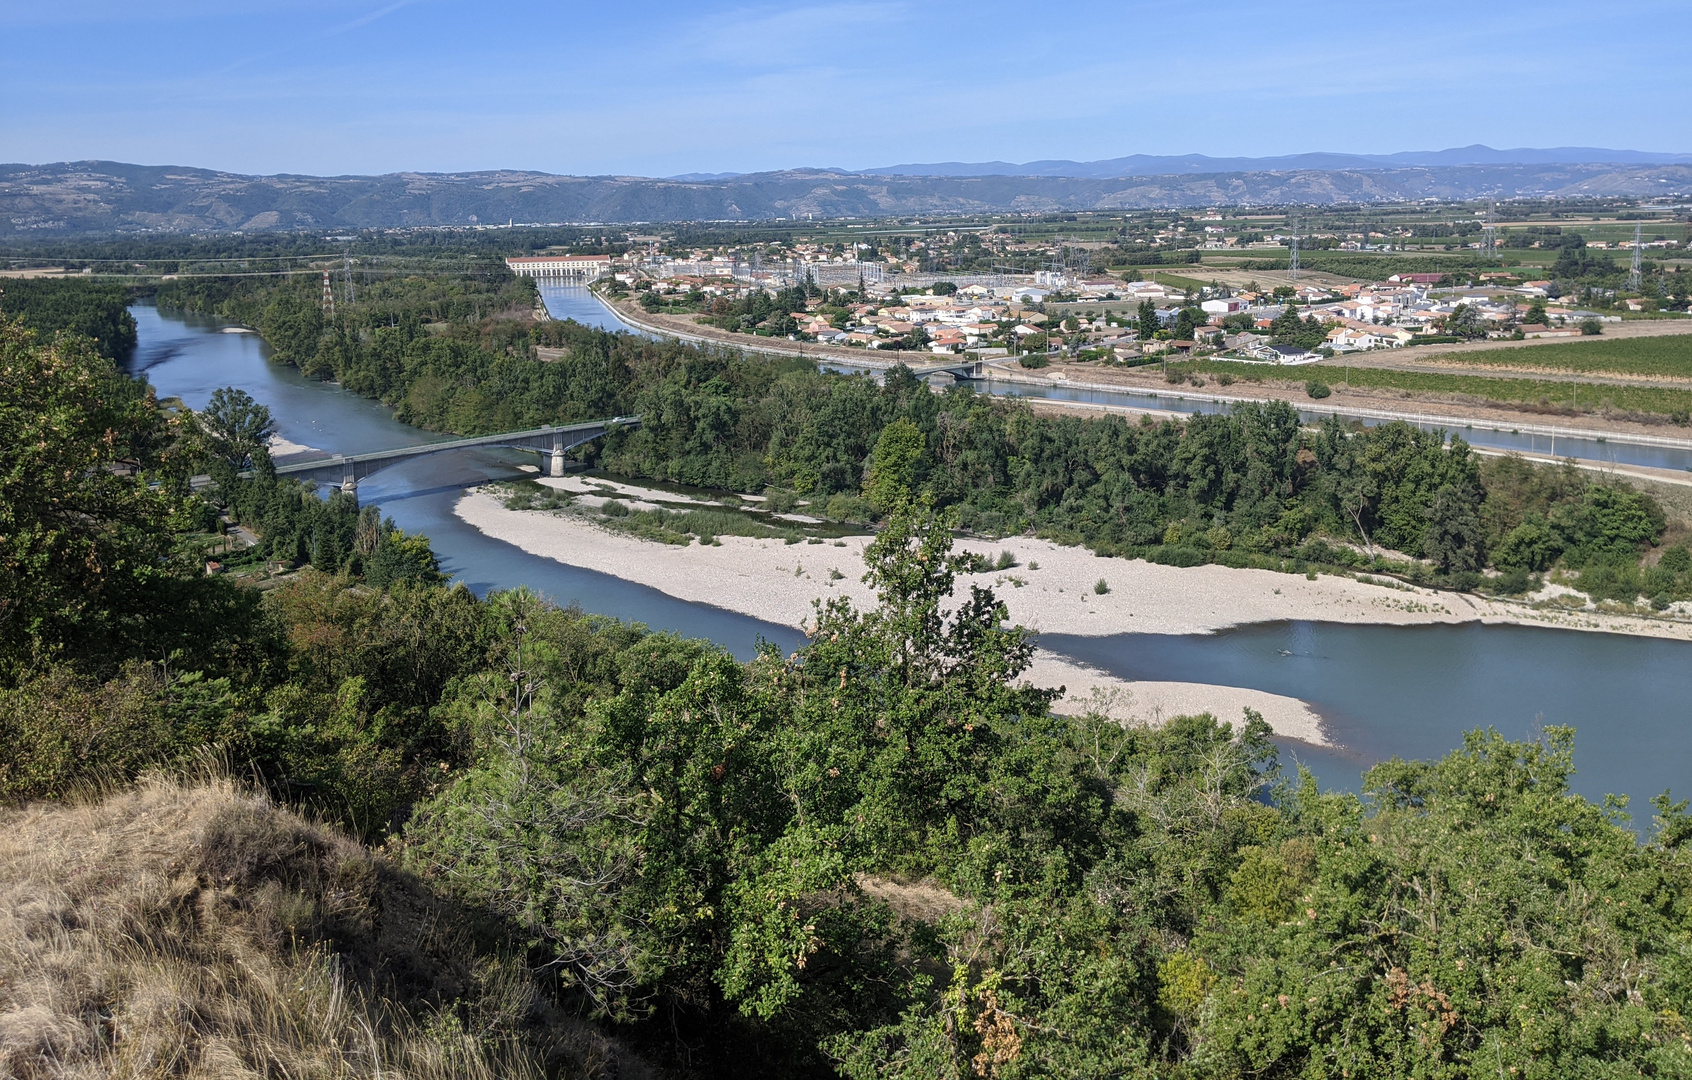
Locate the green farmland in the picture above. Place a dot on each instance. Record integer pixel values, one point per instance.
(1549, 393)
(1667, 356)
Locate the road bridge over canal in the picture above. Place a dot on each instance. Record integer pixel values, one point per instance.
(945, 371)
(550, 442)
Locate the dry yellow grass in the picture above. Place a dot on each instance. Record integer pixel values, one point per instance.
(195, 930)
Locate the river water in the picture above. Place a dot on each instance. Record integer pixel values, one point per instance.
(1381, 690)
(188, 357)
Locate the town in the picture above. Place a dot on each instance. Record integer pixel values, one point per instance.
(1232, 291)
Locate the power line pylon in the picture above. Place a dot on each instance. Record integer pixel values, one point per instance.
(328, 295)
(1489, 235)
(1292, 261)
(347, 278)
(1633, 277)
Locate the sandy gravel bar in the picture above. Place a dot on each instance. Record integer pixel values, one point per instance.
(1052, 589)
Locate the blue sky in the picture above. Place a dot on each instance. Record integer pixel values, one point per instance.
(659, 88)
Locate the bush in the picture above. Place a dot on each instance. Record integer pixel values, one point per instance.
(780, 500)
(1591, 327)
(1101, 586)
(1171, 555)
(59, 730)
(1317, 389)
(1676, 559)
(614, 508)
(1513, 582)
(1530, 546)
(1007, 561)
(1033, 360)
(990, 523)
(849, 508)
(1609, 523)
(1604, 579)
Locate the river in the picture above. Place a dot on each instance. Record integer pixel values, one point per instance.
(1381, 690)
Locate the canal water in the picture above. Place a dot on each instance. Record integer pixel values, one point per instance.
(576, 302)
(1381, 691)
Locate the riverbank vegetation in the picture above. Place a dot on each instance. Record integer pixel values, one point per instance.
(95, 310)
(880, 855)
(1251, 488)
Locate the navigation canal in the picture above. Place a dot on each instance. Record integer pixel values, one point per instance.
(1381, 690)
(576, 302)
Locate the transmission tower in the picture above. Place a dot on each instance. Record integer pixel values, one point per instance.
(347, 278)
(328, 295)
(1638, 258)
(1489, 235)
(1292, 261)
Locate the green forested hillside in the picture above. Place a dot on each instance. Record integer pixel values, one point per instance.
(880, 855)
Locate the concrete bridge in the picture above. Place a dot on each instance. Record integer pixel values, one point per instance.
(550, 442)
(959, 369)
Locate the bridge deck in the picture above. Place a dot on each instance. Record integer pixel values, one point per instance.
(553, 441)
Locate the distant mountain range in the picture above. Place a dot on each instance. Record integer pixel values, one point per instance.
(1147, 165)
(103, 197)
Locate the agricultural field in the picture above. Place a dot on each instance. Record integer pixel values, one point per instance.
(1549, 394)
(1669, 356)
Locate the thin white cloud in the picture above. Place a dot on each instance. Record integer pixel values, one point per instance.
(366, 20)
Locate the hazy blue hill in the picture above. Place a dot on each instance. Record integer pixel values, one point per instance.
(97, 197)
(1147, 165)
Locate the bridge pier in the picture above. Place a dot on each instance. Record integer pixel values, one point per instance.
(555, 460)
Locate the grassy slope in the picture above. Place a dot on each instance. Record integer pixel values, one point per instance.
(196, 931)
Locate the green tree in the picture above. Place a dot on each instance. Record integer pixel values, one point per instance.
(237, 427)
(896, 465)
(1465, 322)
(1532, 546)
(1453, 538)
(85, 544)
(84, 308)
(1146, 322)
(1187, 322)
